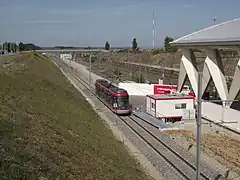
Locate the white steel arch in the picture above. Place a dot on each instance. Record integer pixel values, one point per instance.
(210, 40)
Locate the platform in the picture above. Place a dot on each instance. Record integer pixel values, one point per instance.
(151, 120)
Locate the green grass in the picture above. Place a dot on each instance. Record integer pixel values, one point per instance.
(48, 130)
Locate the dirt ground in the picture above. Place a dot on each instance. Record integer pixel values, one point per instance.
(221, 150)
(230, 59)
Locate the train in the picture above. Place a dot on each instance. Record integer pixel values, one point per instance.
(117, 99)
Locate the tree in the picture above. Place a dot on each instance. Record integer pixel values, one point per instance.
(15, 47)
(12, 47)
(5, 45)
(8, 47)
(134, 44)
(21, 46)
(138, 77)
(168, 47)
(107, 46)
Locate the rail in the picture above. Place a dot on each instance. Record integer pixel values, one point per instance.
(142, 135)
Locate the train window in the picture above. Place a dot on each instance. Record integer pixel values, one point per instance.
(104, 94)
(109, 97)
(123, 101)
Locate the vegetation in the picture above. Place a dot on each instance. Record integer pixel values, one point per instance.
(13, 47)
(134, 45)
(64, 47)
(157, 51)
(168, 47)
(49, 131)
(138, 77)
(28, 47)
(107, 46)
(117, 72)
(9, 47)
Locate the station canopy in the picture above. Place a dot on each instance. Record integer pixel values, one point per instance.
(224, 34)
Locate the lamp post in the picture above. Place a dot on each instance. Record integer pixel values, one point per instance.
(198, 122)
(90, 69)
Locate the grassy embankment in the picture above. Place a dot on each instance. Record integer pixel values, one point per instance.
(48, 130)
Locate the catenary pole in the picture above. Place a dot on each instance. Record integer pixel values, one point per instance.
(90, 71)
(198, 121)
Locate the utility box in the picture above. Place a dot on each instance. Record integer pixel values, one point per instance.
(189, 114)
(65, 56)
(169, 107)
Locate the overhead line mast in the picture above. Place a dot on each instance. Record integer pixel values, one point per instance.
(153, 21)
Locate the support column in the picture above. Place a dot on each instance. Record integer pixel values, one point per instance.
(215, 67)
(181, 77)
(188, 67)
(206, 77)
(235, 86)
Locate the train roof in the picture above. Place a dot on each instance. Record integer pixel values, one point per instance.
(102, 81)
(110, 86)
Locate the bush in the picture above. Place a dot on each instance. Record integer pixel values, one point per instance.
(157, 51)
(138, 77)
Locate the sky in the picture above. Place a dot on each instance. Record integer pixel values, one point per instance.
(93, 22)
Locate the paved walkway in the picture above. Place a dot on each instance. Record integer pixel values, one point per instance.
(151, 120)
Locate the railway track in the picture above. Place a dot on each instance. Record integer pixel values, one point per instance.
(152, 74)
(177, 162)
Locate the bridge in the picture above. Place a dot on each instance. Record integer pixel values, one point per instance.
(71, 50)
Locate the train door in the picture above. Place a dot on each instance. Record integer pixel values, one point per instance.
(114, 103)
(97, 89)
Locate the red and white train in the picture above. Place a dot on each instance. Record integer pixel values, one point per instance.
(117, 99)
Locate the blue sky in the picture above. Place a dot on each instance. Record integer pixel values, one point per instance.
(93, 22)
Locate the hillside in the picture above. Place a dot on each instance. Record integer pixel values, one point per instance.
(30, 46)
(230, 59)
(49, 131)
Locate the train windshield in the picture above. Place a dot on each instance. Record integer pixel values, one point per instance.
(123, 101)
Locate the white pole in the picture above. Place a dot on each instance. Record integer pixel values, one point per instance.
(153, 30)
(199, 112)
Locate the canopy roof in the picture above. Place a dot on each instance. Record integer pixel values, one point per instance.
(227, 33)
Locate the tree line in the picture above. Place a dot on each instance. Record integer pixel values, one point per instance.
(134, 45)
(167, 46)
(14, 47)
(9, 47)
